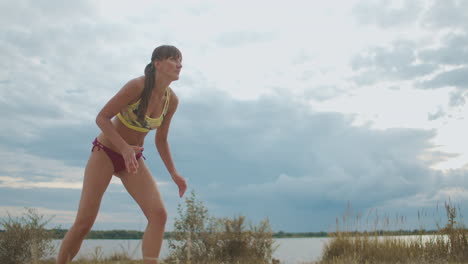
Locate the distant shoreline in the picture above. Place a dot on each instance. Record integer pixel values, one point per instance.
(132, 234)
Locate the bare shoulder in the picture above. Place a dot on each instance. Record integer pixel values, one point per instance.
(139, 81)
(134, 87)
(174, 99)
(129, 93)
(137, 84)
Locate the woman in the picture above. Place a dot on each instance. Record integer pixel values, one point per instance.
(143, 104)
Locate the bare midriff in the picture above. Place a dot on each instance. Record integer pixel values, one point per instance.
(132, 137)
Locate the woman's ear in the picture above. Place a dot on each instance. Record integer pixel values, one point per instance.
(156, 64)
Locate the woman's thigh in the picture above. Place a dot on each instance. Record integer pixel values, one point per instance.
(143, 188)
(97, 176)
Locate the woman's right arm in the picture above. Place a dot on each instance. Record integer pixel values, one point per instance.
(127, 94)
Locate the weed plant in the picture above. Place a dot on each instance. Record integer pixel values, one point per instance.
(448, 245)
(199, 238)
(24, 239)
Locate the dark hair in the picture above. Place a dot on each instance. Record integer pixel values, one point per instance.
(160, 53)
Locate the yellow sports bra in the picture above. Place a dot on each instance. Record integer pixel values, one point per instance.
(129, 118)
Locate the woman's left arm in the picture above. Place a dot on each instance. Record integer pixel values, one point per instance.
(163, 146)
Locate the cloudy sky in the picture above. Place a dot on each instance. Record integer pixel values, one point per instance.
(288, 109)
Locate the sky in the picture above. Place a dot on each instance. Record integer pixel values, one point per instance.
(289, 110)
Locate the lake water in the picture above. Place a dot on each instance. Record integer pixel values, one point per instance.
(289, 251)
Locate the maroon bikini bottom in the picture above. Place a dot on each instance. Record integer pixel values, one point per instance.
(117, 159)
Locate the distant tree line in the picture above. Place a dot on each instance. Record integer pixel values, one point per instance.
(101, 234)
(282, 234)
(390, 233)
(132, 234)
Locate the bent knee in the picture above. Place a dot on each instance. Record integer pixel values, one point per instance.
(82, 227)
(159, 215)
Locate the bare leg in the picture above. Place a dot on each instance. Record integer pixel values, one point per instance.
(98, 174)
(143, 189)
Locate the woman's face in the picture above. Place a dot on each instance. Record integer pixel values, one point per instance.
(170, 67)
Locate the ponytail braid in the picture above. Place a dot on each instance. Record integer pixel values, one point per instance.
(147, 91)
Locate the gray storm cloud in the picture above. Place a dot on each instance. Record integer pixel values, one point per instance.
(273, 153)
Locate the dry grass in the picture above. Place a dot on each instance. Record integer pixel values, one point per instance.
(83, 261)
(197, 239)
(24, 240)
(449, 245)
(200, 239)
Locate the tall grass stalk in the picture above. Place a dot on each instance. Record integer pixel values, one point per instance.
(448, 245)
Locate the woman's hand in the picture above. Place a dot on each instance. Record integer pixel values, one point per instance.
(181, 183)
(131, 163)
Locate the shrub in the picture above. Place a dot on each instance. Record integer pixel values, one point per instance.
(198, 238)
(24, 239)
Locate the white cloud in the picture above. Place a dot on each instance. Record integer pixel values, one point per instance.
(387, 13)
(17, 163)
(59, 217)
(25, 171)
(10, 182)
(446, 14)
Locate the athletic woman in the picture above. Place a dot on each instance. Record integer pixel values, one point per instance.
(143, 104)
